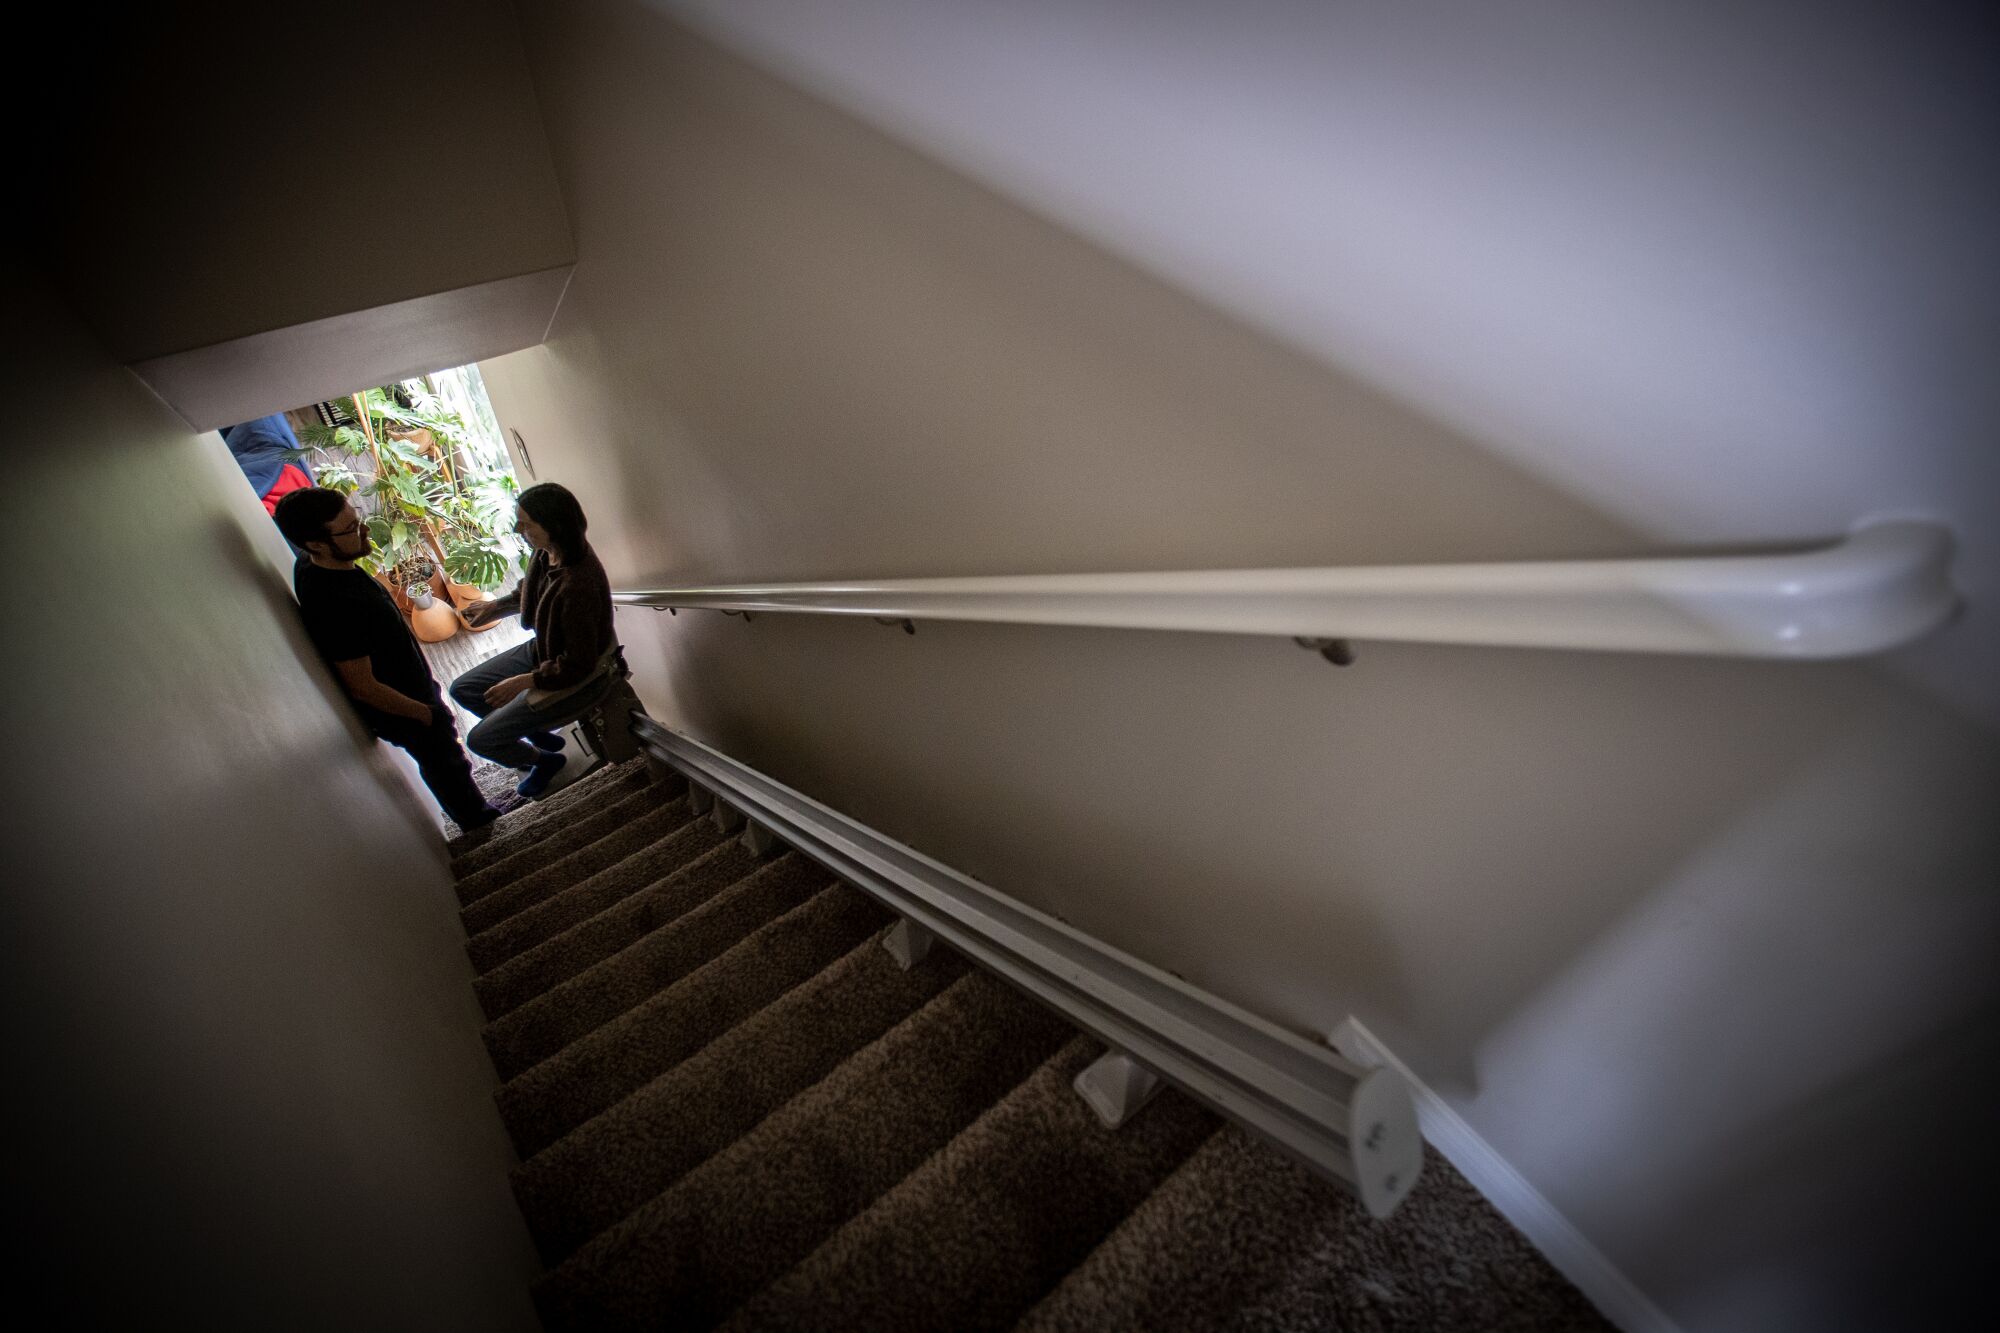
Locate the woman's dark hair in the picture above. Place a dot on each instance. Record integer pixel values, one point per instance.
(559, 515)
(303, 515)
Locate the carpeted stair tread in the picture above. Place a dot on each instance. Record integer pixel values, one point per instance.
(590, 941)
(752, 1211)
(461, 845)
(1242, 1237)
(471, 852)
(617, 1060)
(531, 821)
(654, 821)
(560, 906)
(587, 1010)
(586, 828)
(613, 1163)
(734, 1106)
(646, 868)
(1445, 1261)
(537, 1029)
(1226, 1227)
(983, 1229)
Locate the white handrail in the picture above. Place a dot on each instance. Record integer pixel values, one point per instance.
(1880, 587)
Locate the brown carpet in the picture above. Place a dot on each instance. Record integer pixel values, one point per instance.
(1050, 1181)
(734, 1108)
(557, 838)
(534, 820)
(497, 904)
(1307, 1256)
(497, 785)
(590, 941)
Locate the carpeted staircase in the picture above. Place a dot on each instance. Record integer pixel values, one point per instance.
(735, 1109)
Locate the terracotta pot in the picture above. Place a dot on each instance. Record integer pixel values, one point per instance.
(439, 620)
(434, 623)
(396, 595)
(464, 595)
(420, 437)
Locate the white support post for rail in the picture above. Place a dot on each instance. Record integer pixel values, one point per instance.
(908, 942)
(758, 840)
(700, 799)
(727, 817)
(1115, 1086)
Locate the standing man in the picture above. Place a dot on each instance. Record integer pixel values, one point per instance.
(357, 628)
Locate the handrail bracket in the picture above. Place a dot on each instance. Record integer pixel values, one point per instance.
(1340, 652)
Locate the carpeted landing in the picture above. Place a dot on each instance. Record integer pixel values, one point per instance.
(735, 1110)
(497, 783)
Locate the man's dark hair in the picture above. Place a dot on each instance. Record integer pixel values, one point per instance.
(303, 515)
(559, 514)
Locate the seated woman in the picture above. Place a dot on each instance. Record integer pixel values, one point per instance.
(525, 693)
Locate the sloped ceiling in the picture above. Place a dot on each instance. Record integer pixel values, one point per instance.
(259, 205)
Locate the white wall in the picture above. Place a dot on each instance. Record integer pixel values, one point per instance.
(1702, 947)
(1722, 268)
(246, 1089)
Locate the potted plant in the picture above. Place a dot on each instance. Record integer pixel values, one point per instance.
(433, 618)
(438, 507)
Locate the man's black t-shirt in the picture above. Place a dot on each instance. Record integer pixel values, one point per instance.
(350, 615)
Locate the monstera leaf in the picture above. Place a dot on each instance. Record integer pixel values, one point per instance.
(482, 561)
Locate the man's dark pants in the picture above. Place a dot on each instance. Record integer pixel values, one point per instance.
(440, 758)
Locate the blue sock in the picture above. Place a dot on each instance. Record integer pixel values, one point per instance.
(544, 771)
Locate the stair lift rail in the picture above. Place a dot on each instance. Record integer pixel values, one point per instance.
(1883, 585)
(1354, 1125)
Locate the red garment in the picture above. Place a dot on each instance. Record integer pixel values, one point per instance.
(291, 478)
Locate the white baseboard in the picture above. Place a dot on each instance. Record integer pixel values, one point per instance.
(1506, 1189)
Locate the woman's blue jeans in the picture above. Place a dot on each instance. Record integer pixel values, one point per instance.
(502, 732)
